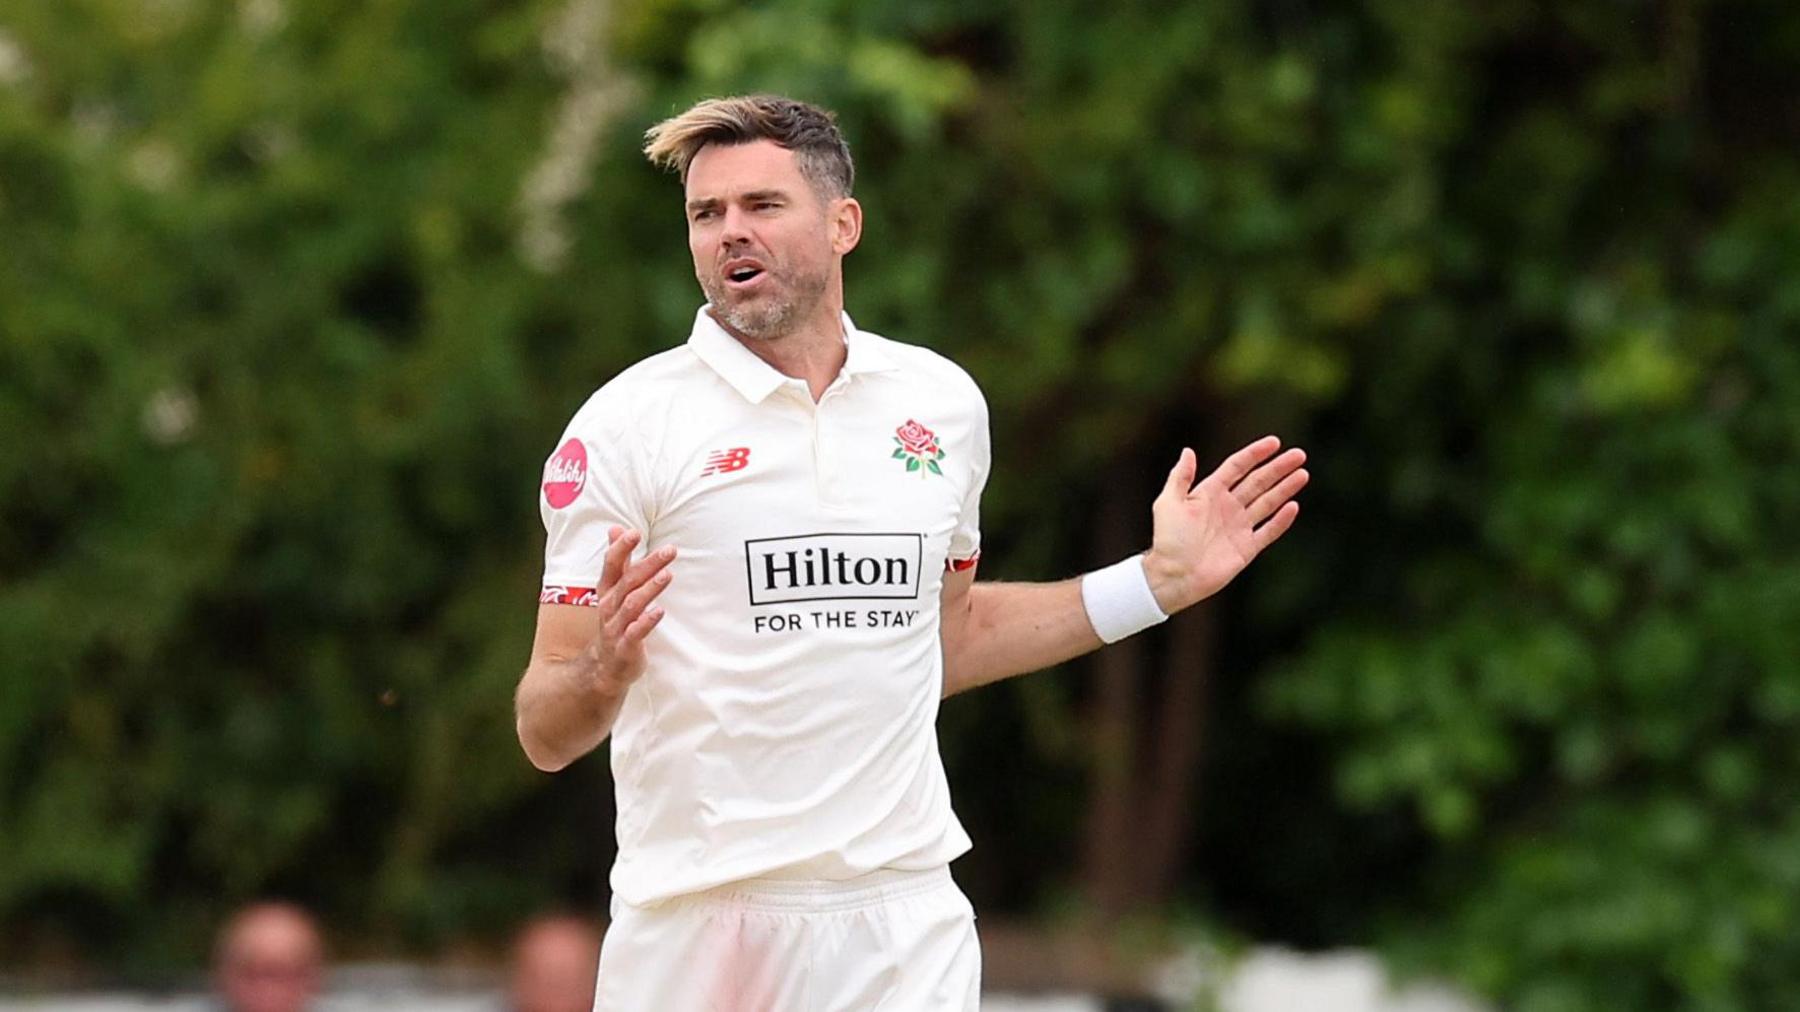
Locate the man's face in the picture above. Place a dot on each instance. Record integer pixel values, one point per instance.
(270, 963)
(765, 244)
(554, 966)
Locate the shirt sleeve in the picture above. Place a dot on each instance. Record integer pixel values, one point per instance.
(590, 484)
(965, 540)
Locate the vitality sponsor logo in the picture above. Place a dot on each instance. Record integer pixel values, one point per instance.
(565, 474)
(834, 567)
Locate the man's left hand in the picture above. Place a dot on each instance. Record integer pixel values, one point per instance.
(1206, 534)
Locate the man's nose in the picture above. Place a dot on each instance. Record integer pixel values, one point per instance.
(736, 226)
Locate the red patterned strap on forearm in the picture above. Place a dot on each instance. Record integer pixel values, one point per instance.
(586, 597)
(961, 565)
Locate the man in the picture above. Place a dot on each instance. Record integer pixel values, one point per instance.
(760, 580)
(269, 958)
(553, 966)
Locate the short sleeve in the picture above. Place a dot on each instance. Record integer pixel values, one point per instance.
(965, 540)
(590, 484)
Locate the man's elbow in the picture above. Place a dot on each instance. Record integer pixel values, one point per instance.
(545, 761)
(956, 673)
(960, 637)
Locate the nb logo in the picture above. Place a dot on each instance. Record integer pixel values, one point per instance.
(724, 461)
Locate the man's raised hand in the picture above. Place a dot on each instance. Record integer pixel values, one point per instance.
(1205, 534)
(626, 614)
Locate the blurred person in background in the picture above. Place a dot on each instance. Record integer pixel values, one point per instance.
(554, 960)
(784, 819)
(269, 958)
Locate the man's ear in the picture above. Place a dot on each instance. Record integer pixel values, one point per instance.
(846, 225)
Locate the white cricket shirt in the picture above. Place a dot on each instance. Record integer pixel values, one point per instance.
(786, 724)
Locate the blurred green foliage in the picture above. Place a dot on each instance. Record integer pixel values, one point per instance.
(295, 297)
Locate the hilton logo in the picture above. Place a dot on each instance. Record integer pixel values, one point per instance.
(834, 567)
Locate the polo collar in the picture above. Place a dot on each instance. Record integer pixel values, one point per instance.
(756, 379)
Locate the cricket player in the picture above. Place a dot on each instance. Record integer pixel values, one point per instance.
(760, 580)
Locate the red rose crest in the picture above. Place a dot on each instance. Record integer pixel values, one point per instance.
(918, 446)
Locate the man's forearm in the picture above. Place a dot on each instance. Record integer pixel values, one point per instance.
(564, 711)
(1014, 628)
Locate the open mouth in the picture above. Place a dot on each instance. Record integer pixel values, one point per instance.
(743, 274)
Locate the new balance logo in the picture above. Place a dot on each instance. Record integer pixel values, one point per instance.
(723, 461)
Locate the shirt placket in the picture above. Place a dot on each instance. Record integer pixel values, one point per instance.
(824, 439)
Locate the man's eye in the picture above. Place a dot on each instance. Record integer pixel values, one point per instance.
(703, 215)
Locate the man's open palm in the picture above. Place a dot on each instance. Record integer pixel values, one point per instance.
(1206, 533)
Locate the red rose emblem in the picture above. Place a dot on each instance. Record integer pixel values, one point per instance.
(918, 446)
(917, 439)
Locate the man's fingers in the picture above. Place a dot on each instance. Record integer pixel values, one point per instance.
(1272, 500)
(1239, 464)
(634, 602)
(636, 631)
(618, 549)
(1265, 477)
(635, 576)
(1278, 525)
(1181, 476)
(645, 568)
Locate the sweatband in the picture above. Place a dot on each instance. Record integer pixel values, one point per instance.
(1119, 601)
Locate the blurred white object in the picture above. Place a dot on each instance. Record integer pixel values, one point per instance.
(1279, 980)
(1263, 980)
(369, 994)
(14, 67)
(169, 415)
(1045, 1003)
(107, 1003)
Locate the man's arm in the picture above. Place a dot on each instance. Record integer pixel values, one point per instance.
(584, 659)
(996, 630)
(1203, 536)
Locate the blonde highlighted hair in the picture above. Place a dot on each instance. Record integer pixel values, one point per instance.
(808, 131)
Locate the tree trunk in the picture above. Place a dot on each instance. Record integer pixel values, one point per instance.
(1145, 757)
(1111, 876)
(1167, 804)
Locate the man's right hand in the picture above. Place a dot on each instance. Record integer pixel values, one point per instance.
(583, 660)
(626, 612)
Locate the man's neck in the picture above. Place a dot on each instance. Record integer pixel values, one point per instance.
(814, 351)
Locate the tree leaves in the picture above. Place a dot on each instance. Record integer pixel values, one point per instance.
(276, 379)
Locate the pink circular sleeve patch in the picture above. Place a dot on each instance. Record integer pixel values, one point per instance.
(566, 474)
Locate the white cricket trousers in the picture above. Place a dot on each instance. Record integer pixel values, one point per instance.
(891, 940)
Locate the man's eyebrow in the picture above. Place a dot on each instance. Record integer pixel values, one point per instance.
(704, 203)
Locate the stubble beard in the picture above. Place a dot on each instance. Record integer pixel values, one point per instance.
(767, 316)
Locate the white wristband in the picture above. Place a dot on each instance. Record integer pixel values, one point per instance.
(1119, 601)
